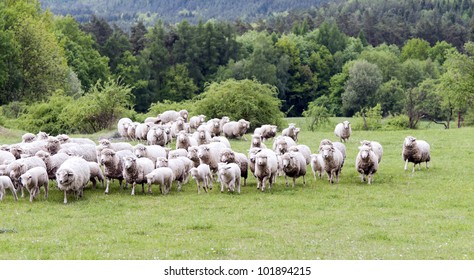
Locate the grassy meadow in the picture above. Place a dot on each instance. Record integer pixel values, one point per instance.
(428, 214)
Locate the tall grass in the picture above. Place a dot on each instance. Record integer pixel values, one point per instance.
(428, 214)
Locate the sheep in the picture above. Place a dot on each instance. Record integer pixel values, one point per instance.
(184, 141)
(53, 145)
(131, 131)
(229, 176)
(193, 155)
(267, 131)
(16, 151)
(151, 152)
(33, 179)
(113, 165)
(229, 156)
(177, 153)
(6, 183)
(163, 176)
(294, 166)
(52, 162)
(366, 163)
(333, 160)
(257, 141)
(222, 122)
(30, 149)
(266, 167)
(134, 171)
(338, 145)
(86, 151)
(213, 127)
(290, 131)
(343, 131)
(304, 150)
(96, 172)
(142, 130)
(178, 126)
(297, 132)
(196, 121)
(73, 175)
(6, 156)
(416, 151)
(210, 154)
(202, 135)
(221, 139)
(251, 157)
(317, 165)
(122, 127)
(172, 115)
(156, 136)
(153, 120)
(376, 148)
(281, 144)
(178, 167)
(203, 176)
(236, 129)
(18, 167)
(63, 138)
(118, 146)
(42, 136)
(28, 138)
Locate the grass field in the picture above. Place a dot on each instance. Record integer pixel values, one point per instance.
(428, 214)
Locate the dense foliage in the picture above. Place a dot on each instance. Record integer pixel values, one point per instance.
(305, 57)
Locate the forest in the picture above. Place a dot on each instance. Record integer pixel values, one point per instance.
(403, 60)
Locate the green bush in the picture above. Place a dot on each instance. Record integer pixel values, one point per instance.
(317, 113)
(243, 99)
(368, 119)
(398, 122)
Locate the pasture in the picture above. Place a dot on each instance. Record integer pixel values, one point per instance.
(428, 214)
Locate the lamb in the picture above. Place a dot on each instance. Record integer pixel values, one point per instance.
(157, 136)
(6, 183)
(33, 179)
(122, 127)
(229, 156)
(193, 155)
(142, 130)
(333, 161)
(317, 165)
(416, 151)
(290, 131)
(221, 139)
(196, 121)
(210, 154)
(52, 162)
(177, 153)
(229, 176)
(267, 131)
(163, 176)
(184, 141)
(203, 176)
(151, 152)
(172, 115)
(202, 135)
(257, 141)
(376, 148)
(113, 165)
(343, 131)
(86, 151)
(96, 172)
(297, 132)
(178, 167)
(282, 143)
(266, 167)
(236, 129)
(294, 166)
(366, 163)
(28, 138)
(73, 175)
(304, 150)
(134, 171)
(213, 127)
(20, 166)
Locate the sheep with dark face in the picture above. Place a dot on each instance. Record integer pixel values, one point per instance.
(343, 131)
(134, 171)
(416, 151)
(113, 165)
(294, 166)
(72, 176)
(366, 163)
(33, 179)
(332, 162)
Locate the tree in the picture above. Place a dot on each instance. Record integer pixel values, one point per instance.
(391, 97)
(244, 99)
(317, 112)
(415, 49)
(137, 37)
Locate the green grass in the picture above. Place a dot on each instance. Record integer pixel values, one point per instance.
(402, 215)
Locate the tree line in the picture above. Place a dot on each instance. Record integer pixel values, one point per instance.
(314, 69)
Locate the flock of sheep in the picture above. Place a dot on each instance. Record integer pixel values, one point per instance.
(202, 151)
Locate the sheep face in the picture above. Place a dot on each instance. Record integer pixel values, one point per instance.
(261, 160)
(25, 179)
(129, 162)
(65, 177)
(203, 152)
(409, 141)
(327, 151)
(256, 140)
(182, 137)
(286, 160)
(106, 156)
(161, 162)
(104, 142)
(346, 124)
(140, 151)
(364, 152)
(193, 152)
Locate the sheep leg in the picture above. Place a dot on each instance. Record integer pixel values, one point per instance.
(133, 188)
(1, 194)
(238, 185)
(294, 181)
(369, 178)
(32, 194)
(46, 190)
(286, 180)
(222, 186)
(107, 188)
(149, 188)
(143, 188)
(65, 197)
(406, 164)
(94, 182)
(304, 180)
(13, 192)
(198, 187)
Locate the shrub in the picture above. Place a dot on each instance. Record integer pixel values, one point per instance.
(369, 119)
(398, 122)
(243, 99)
(316, 115)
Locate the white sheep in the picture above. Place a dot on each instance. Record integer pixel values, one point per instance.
(73, 175)
(172, 115)
(229, 176)
(122, 127)
(131, 131)
(6, 156)
(338, 145)
(376, 148)
(202, 135)
(163, 176)
(151, 152)
(184, 141)
(235, 129)
(179, 169)
(193, 155)
(141, 131)
(317, 165)
(157, 136)
(366, 163)
(153, 120)
(290, 131)
(28, 138)
(266, 167)
(134, 171)
(266, 131)
(294, 166)
(213, 127)
(179, 125)
(177, 153)
(117, 146)
(333, 161)
(304, 150)
(42, 136)
(229, 156)
(63, 138)
(416, 151)
(343, 131)
(196, 121)
(52, 162)
(257, 142)
(6, 183)
(96, 172)
(222, 122)
(33, 179)
(86, 151)
(18, 167)
(221, 139)
(210, 154)
(113, 165)
(203, 176)
(281, 144)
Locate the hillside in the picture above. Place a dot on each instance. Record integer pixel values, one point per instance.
(123, 12)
